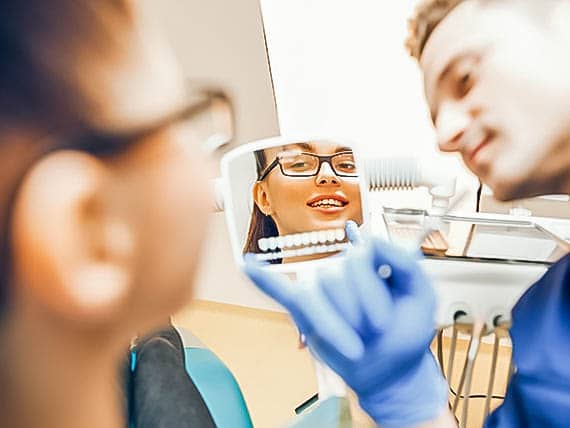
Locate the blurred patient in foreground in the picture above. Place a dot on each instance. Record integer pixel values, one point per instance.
(94, 204)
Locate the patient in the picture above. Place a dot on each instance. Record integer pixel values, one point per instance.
(303, 187)
(97, 147)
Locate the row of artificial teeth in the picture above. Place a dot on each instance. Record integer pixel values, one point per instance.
(306, 251)
(332, 202)
(301, 239)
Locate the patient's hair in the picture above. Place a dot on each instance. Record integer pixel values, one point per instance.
(427, 16)
(260, 225)
(46, 52)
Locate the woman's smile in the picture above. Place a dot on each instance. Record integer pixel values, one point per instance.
(328, 203)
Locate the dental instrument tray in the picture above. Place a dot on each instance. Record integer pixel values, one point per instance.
(478, 238)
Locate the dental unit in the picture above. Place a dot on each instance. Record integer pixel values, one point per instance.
(478, 278)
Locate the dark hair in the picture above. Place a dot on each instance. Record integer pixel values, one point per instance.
(45, 48)
(427, 16)
(260, 225)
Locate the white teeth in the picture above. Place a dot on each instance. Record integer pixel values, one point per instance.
(331, 236)
(288, 254)
(263, 244)
(301, 239)
(322, 241)
(327, 203)
(297, 240)
(305, 251)
(314, 237)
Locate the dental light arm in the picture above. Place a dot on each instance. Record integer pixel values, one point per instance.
(407, 173)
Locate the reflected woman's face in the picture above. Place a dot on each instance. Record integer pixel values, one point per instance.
(304, 204)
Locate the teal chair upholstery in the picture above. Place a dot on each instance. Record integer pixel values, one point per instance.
(218, 387)
(216, 384)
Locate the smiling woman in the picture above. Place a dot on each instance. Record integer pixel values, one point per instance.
(303, 189)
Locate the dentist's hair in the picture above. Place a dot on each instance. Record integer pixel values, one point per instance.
(47, 51)
(430, 13)
(427, 16)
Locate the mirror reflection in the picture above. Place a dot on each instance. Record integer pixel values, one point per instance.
(301, 196)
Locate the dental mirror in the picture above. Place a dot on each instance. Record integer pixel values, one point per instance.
(287, 200)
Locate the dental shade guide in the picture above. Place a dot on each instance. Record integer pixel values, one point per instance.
(302, 244)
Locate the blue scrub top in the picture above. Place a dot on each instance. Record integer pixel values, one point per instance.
(539, 392)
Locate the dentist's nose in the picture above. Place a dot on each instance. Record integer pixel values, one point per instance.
(451, 123)
(326, 175)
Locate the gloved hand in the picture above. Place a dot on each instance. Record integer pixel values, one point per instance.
(374, 333)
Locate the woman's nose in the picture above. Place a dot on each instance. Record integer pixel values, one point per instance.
(326, 175)
(450, 125)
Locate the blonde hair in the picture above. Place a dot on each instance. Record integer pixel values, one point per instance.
(427, 16)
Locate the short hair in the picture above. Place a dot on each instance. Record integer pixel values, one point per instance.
(427, 16)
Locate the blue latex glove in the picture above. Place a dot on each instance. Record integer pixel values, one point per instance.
(374, 333)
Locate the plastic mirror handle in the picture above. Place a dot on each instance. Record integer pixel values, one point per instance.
(374, 332)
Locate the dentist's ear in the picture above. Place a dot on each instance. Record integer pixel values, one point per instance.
(261, 198)
(72, 249)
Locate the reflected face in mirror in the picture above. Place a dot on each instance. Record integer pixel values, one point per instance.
(304, 187)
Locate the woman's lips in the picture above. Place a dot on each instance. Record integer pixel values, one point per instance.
(328, 204)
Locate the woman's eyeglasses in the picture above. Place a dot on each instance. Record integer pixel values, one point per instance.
(302, 164)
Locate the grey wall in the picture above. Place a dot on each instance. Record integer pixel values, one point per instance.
(222, 42)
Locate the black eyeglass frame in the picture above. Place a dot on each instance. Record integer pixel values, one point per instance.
(321, 158)
(105, 143)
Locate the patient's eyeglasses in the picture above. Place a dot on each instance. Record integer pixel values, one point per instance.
(302, 164)
(209, 113)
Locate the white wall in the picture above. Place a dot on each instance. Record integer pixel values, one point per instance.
(222, 42)
(340, 68)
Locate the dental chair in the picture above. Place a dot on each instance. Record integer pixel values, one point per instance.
(216, 384)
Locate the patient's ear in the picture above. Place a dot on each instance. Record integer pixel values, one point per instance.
(261, 198)
(73, 248)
